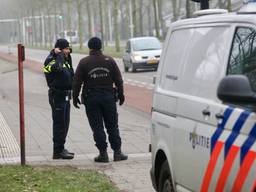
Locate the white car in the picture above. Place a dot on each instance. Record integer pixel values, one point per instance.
(203, 133)
(142, 53)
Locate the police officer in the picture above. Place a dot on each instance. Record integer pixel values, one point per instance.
(98, 73)
(59, 75)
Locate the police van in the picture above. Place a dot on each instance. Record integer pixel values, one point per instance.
(203, 129)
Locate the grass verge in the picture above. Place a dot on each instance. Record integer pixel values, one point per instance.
(16, 178)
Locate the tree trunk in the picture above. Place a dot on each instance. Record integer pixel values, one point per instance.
(149, 8)
(80, 22)
(117, 35)
(229, 6)
(156, 18)
(134, 18)
(105, 13)
(175, 11)
(127, 19)
(55, 23)
(49, 26)
(69, 19)
(89, 18)
(160, 17)
(141, 17)
(101, 23)
(188, 9)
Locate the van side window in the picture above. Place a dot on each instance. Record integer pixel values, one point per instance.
(195, 59)
(243, 54)
(176, 50)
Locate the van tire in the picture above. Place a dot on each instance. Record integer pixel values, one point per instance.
(165, 180)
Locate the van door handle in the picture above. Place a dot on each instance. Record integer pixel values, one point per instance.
(219, 116)
(206, 112)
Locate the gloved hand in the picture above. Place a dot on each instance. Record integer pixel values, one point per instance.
(76, 101)
(121, 99)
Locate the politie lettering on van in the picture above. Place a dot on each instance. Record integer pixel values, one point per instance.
(203, 129)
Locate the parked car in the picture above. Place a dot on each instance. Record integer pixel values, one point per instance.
(71, 36)
(203, 132)
(142, 53)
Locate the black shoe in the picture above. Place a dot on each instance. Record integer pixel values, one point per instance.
(119, 156)
(62, 155)
(68, 152)
(102, 157)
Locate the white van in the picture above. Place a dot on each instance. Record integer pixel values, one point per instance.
(203, 133)
(71, 36)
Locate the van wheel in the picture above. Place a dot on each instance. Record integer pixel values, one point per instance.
(165, 180)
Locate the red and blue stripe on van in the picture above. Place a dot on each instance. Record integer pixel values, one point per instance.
(247, 157)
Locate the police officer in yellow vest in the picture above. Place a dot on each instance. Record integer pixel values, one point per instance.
(59, 74)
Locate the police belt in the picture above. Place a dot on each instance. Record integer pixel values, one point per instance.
(99, 89)
(61, 92)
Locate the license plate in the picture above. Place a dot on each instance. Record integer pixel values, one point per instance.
(152, 61)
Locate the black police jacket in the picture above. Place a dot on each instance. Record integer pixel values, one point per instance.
(97, 71)
(58, 71)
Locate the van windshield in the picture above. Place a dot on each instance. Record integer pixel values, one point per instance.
(146, 44)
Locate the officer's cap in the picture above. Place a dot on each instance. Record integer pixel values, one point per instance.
(62, 44)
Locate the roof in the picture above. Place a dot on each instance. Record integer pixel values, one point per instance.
(217, 18)
(141, 38)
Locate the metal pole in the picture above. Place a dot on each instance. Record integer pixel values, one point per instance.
(21, 57)
(43, 30)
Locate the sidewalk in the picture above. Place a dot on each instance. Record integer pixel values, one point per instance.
(129, 176)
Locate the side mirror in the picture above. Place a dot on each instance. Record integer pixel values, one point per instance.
(236, 89)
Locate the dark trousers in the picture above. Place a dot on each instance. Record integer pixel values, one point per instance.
(61, 117)
(101, 111)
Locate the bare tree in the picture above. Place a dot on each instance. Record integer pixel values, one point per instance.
(175, 10)
(141, 17)
(69, 2)
(134, 17)
(116, 28)
(229, 7)
(101, 21)
(89, 18)
(106, 26)
(79, 4)
(160, 16)
(188, 8)
(156, 17)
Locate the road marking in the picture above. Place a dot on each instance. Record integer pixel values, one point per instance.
(9, 148)
(140, 84)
